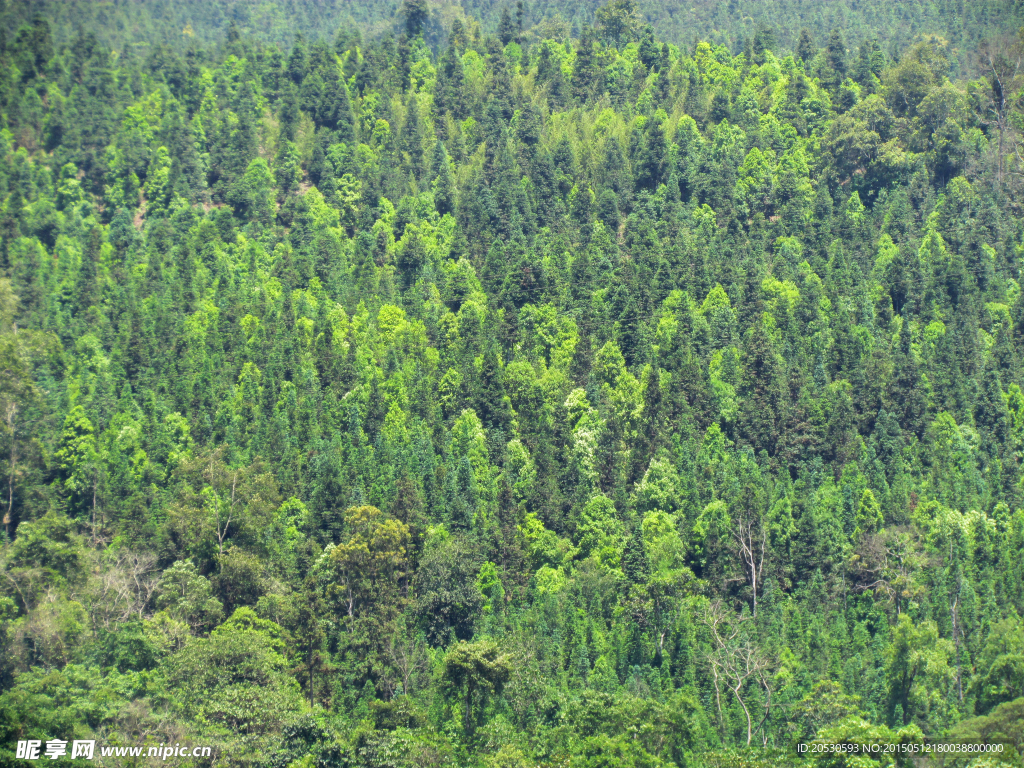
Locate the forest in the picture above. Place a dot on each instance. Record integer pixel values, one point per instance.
(548, 385)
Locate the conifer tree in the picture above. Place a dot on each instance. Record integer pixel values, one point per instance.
(585, 75)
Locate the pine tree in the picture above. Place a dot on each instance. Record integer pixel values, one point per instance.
(834, 71)
(298, 66)
(585, 75)
(443, 184)
(415, 13)
(449, 93)
(635, 564)
(805, 49)
(89, 288)
(908, 399)
(651, 165)
(506, 28)
(764, 404)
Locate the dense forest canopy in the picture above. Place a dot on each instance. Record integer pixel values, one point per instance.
(131, 24)
(534, 393)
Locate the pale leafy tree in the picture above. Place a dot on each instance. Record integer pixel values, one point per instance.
(349, 194)
(917, 671)
(618, 21)
(46, 557)
(824, 705)
(157, 188)
(474, 672)
(219, 504)
(237, 678)
(889, 565)
(371, 564)
(187, 595)
(48, 635)
(257, 192)
(846, 742)
(1002, 60)
(1003, 726)
(79, 461)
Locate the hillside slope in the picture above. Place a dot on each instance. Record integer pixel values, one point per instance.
(547, 402)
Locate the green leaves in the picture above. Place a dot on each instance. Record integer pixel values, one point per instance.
(599, 532)
(370, 565)
(78, 461)
(188, 596)
(548, 342)
(918, 672)
(474, 673)
(235, 681)
(51, 546)
(866, 745)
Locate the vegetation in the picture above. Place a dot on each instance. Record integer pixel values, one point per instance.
(510, 399)
(135, 26)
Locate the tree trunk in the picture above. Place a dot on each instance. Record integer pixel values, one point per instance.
(955, 614)
(718, 703)
(9, 517)
(746, 712)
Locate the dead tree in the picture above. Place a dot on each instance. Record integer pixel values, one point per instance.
(751, 536)
(734, 660)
